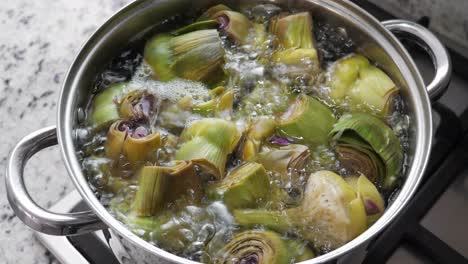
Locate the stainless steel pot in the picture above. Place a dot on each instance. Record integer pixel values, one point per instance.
(374, 39)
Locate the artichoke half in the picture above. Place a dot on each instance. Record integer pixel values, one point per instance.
(370, 196)
(306, 121)
(261, 129)
(284, 159)
(159, 186)
(195, 56)
(266, 99)
(297, 49)
(236, 26)
(244, 187)
(105, 107)
(365, 144)
(129, 141)
(362, 86)
(220, 106)
(262, 247)
(138, 105)
(208, 142)
(330, 214)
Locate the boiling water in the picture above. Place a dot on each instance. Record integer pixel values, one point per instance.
(211, 221)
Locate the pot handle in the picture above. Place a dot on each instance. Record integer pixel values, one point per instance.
(432, 45)
(25, 208)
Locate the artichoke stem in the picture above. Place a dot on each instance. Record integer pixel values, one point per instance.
(149, 198)
(274, 220)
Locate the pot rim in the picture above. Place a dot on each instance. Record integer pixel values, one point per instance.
(422, 122)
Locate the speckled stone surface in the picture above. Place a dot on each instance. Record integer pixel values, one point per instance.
(38, 41)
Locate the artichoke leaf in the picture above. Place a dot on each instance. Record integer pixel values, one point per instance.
(362, 86)
(285, 160)
(363, 131)
(262, 247)
(245, 187)
(306, 121)
(372, 200)
(261, 129)
(105, 109)
(160, 186)
(209, 140)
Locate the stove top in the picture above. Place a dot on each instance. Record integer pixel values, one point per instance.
(431, 229)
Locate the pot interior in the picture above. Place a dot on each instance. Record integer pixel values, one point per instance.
(134, 24)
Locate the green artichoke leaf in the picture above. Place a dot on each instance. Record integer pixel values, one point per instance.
(105, 106)
(245, 187)
(378, 137)
(307, 121)
(262, 247)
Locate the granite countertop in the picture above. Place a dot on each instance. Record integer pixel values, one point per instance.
(38, 42)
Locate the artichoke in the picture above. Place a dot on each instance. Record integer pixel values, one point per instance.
(195, 56)
(258, 246)
(254, 247)
(244, 187)
(105, 109)
(297, 46)
(220, 106)
(258, 132)
(362, 86)
(370, 196)
(138, 105)
(210, 12)
(159, 186)
(134, 143)
(365, 144)
(294, 31)
(208, 142)
(306, 121)
(330, 214)
(267, 98)
(284, 159)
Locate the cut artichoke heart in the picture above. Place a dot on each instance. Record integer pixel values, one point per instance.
(159, 186)
(194, 56)
(135, 149)
(284, 158)
(372, 200)
(297, 46)
(138, 104)
(220, 106)
(307, 121)
(209, 140)
(105, 108)
(365, 86)
(258, 132)
(294, 31)
(366, 134)
(262, 247)
(244, 187)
